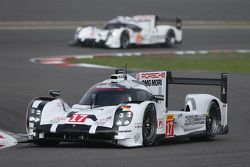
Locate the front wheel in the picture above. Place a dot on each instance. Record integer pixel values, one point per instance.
(124, 40)
(149, 126)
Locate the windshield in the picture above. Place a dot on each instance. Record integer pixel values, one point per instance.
(113, 96)
(111, 26)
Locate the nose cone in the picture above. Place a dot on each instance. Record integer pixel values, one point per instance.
(100, 116)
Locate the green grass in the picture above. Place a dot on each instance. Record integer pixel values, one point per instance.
(220, 62)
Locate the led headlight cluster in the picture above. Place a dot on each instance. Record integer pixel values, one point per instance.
(34, 115)
(123, 118)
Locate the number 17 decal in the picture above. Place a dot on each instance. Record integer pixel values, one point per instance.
(78, 118)
(169, 125)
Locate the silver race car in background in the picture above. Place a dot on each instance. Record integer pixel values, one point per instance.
(124, 31)
(129, 110)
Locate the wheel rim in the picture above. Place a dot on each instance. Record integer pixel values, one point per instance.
(148, 126)
(170, 39)
(124, 41)
(213, 122)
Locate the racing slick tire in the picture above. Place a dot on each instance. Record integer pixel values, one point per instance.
(149, 126)
(170, 39)
(213, 123)
(213, 120)
(124, 40)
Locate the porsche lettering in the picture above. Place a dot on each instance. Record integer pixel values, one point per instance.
(153, 75)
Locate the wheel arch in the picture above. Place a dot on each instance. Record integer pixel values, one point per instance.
(200, 102)
(37, 103)
(47, 107)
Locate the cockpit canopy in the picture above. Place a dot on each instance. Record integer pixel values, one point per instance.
(115, 25)
(113, 96)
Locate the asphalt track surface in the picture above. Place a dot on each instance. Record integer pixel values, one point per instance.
(21, 81)
(59, 10)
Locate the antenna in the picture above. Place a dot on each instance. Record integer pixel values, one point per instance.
(125, 72)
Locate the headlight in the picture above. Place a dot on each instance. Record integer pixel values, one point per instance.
(114, 33)
(123, 116)
(119, 123)
(32, 111)
(37, 119)
(129, 114)
(38, 112)
(31, 119)
(34, 115)
(77, 31)
(126, 122)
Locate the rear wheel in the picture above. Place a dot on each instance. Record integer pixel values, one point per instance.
(149, 126)
(124, 39)
(213, 120)
(213, 123)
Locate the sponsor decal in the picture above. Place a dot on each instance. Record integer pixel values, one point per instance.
(138, 38)
(78, 118)
(59, 104)
(125, 108)
(153, 82)
(170, 117)
(138, 125)
(169, 125)
(137, 137)
(57, 120)
(160, 123)
(180, 115)
(195, 120)
(110, 86)
(103, 121)
(153, 75)
(92, 33)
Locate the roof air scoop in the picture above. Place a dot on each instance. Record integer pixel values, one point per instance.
(115, 78)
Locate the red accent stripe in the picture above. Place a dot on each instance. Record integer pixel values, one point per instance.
(1, 137)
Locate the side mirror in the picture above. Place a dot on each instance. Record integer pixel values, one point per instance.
(54, 93)
(92, 100)
(178, 23)
(157, 98)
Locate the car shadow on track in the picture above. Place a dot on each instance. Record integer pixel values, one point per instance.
(153, 46)
(110, 145)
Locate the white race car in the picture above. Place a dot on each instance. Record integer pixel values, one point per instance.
(124, 31)
(129, 110)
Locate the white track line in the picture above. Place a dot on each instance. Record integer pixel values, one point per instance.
(6, 140)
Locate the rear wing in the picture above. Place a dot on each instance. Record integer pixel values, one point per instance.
(177, 20)
(159, 81)
(150, 21)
